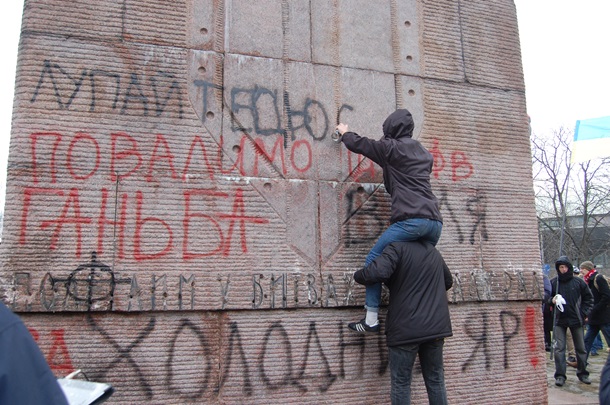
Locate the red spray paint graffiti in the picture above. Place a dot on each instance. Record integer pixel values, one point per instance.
(530, 330)
(58, 357)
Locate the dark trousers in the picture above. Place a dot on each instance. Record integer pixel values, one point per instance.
(402, 359)
(578, 337)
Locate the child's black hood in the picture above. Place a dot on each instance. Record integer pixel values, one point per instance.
(399, 124)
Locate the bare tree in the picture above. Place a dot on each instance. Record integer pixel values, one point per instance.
(572, 201)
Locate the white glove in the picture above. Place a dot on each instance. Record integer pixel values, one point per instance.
(559, 302)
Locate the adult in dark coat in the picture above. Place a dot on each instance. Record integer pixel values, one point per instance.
(570, 315)
(418, 318)
(25, 376)
(599, 316)
(415, 211)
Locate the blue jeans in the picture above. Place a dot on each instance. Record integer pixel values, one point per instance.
(402, 231)
(597, 344)
(402, 359)
(593, 332)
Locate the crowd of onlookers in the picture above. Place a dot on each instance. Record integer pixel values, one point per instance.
(576, 312)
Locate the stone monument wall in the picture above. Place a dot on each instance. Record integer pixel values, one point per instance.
(180, 224)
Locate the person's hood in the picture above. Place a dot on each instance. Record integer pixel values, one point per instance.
(566, 261)
(570, 272)
(399, 124)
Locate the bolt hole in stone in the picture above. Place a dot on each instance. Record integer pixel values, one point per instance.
(360, 190)
(407, 23)
(209, 115)
(201, 69)
(236, 149)
(411, 92)
(267, 186)
(409, 58)
(204, 31)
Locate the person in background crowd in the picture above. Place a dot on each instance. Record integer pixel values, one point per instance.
(418, 319)
(599, 316)
(571, 361)
(25, 376)
(572, 300)
(597, 345)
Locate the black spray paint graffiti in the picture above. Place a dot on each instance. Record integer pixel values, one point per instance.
(477, 327)
(160, 88)
(124, 354)
(359, 342)
(294, 367)
(235, 342)
(371, 219)
(205, 377)
(90, 286)
(103, 90)
(250, 102)
(282, 359)
(94, 274)
(235, 364)
(367, 225)
(283, 343)
(477, 209)
(254, 96)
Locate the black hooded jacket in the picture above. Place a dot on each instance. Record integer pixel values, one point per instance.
(575, 291)
(406, 167)
(418, 279)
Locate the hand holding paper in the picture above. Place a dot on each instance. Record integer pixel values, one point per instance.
(559, 301)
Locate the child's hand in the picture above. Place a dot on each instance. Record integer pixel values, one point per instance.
(342, 128)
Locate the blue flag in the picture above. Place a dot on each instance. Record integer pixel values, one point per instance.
(591, 139)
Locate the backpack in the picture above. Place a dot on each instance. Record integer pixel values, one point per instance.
(605, 278)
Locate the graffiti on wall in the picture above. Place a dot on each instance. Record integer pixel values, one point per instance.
(94, 286)
(57, 158)
(312, 360)
(103, 90)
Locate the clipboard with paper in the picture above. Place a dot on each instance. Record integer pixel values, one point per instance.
(82, 392)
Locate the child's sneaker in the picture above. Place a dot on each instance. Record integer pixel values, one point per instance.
(362, 327)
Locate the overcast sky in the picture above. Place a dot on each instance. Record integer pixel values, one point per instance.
(564, 46)
(566, 63)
